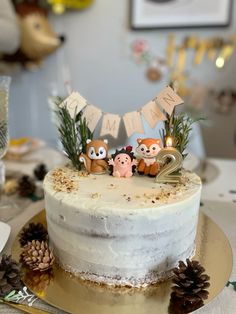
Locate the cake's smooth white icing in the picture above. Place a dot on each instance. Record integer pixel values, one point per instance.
(118, 230)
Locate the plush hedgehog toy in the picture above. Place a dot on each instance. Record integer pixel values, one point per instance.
(123, 163)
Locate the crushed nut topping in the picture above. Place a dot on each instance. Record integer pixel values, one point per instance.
(61, 182)
(95, 195)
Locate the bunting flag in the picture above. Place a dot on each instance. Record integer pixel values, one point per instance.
(74, 103)
(152, 114)
(168, 99)
(133, 123)
(110, 124)
(92, 115)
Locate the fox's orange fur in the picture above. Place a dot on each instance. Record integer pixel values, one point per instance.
(148, 148)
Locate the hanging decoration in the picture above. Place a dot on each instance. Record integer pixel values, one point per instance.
(216, 49)
(38, 39)
(60, 6)
(155, 65)
(154, 112)
(224, 100)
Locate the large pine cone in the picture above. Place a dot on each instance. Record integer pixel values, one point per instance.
(10, 278)
(26, 186)
(33, 232)
(37, 255)
(190, 286)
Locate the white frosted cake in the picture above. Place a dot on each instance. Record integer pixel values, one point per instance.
(120, 231)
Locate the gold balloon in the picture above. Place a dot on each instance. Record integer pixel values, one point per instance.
(59, 6)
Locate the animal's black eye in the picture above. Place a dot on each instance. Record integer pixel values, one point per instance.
(154, 148)
(91, 152)
(142, 149)
(101, 152)
(37, 26)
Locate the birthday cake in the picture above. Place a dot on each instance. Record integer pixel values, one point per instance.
(125, 219)
(120, 231)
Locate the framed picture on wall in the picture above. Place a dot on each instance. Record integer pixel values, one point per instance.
(149, 14)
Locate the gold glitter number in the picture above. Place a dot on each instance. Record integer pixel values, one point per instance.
(166, 174)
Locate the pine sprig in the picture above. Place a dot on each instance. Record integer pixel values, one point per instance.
(74, 133)
(83, 131)
(68, 136)
(233, 283)
(178, 127)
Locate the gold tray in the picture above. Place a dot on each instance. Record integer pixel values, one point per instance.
(75, 296)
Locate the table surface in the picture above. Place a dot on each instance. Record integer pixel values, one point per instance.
(218, 202)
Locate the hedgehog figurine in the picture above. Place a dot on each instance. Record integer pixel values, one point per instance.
(123, 163)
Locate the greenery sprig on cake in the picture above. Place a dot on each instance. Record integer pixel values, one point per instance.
(74, 133)
(178, 127)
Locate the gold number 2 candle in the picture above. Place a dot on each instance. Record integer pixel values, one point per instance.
(166, 174)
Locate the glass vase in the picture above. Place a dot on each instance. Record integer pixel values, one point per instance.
(8, 208)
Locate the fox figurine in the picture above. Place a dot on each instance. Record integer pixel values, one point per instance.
(148, 149)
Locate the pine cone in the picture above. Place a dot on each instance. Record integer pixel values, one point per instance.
(181, 306)
(26, 186)
(40, 171)
(10, 278)
(37, 255)
(190, 285)
(33, 232)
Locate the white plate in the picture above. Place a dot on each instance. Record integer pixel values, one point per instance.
(46, 155)
(4, 234)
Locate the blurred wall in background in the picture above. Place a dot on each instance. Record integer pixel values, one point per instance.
(97, 60)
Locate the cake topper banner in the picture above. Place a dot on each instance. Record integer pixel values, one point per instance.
(153, 112)
(110, 125)
(133, 123)
(168, 99)
(74, 103)
(92, 115)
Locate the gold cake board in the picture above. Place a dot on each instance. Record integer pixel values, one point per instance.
(75, 296)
